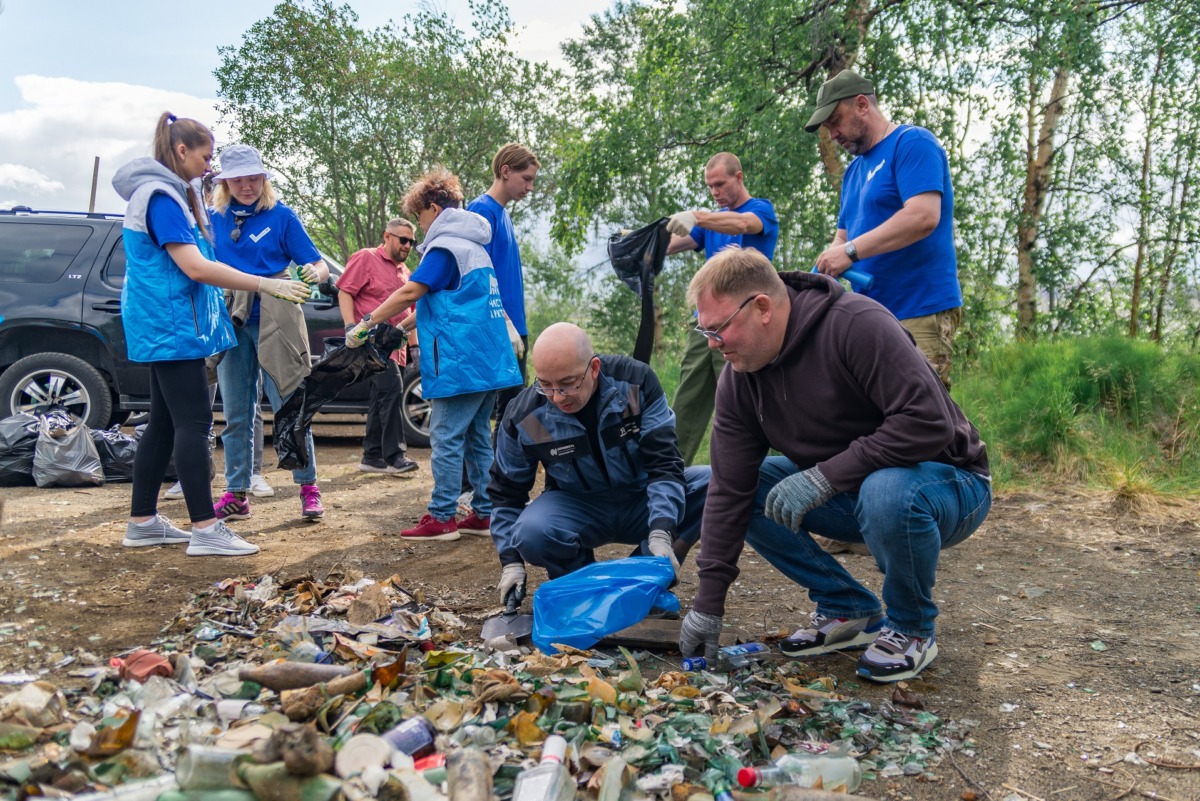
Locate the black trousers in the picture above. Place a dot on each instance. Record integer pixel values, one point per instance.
(385, 427)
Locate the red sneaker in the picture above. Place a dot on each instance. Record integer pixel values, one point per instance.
(474, 524)
(430, 528)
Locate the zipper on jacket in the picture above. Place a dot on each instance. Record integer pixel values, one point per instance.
(195, 315)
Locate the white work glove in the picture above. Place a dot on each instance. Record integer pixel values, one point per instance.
(660, 543)
(309, 274)
(512, 576)
(284, 289)
(514, 338)
(357, 335)
(700, 635)
(681, 223)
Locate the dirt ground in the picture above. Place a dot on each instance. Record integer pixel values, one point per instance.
(1070, 627)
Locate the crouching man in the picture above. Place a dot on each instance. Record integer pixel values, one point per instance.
(601, 428)
(873, 451)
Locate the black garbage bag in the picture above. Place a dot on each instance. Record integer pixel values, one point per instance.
(337, 369)
(18, 438)
(637, 256)
(65, 455)
(116, 454)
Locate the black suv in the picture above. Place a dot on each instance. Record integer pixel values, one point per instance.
(61, 338)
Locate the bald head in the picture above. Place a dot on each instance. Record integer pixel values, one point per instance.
(562, 358)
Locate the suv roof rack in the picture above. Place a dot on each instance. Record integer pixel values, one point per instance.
(91, 215)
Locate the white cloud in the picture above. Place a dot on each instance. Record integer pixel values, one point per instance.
(49, 143)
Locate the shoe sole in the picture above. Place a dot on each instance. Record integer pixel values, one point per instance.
(901, 675)
(128, 543)
(383, 471)
(313, 516)
(270, 493)
(476, 532)
(205, 550)
(858, 641)
(449, 536)
(171, 496)
(233, 516)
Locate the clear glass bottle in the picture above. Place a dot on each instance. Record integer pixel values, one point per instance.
(550, 780)
(828, 771)
(730, 657)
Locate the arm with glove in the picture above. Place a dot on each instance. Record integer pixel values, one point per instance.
(406, 295)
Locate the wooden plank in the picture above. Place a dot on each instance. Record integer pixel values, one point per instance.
(662, 635)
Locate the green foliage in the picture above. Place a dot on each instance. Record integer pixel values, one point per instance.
(1098, 409)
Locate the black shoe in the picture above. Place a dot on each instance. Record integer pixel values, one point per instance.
(403, 465)
(374, 466)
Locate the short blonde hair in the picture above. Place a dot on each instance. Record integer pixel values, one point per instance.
(731, 163)
(438, 186)
(221, 197)
(736, 271)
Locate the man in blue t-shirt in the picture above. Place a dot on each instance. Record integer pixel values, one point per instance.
(896, 221)
(514, 169)
(742, 220)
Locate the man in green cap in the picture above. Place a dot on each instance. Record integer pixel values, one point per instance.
(896, 220)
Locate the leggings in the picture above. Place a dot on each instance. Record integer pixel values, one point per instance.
(180, 419)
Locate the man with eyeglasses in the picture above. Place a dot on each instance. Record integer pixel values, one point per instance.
(742, 220)
(601, 428)
(873, 451)
(370, 277)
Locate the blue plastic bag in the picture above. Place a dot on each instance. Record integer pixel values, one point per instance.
(582, 608)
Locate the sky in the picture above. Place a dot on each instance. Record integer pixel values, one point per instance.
(82, 78)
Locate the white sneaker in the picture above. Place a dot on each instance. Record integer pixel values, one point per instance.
(259, 487)
(218, 540)
(156, 531)
(175, 493)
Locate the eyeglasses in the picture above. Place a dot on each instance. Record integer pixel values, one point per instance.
(236, 233)
(403, 240)
(565, 392)
(715, 334)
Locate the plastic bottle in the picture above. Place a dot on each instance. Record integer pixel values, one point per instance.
(827, 771)
(415, 737)
(730, 657)
(550, 780)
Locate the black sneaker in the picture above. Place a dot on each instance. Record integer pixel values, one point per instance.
(403, 465)
(374, 466)
(825, 634)
(896, 657)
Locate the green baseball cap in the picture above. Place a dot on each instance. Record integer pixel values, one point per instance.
(846, 83)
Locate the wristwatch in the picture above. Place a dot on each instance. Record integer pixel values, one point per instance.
(852, 252)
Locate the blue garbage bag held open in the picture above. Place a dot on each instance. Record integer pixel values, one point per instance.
(582, 608)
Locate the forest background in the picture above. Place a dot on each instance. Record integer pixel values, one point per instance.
(1072, 129)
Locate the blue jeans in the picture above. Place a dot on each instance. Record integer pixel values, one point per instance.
(905, 515)
(559, 530)
(460, 431)
(238, 374)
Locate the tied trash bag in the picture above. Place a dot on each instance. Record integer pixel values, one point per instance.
(65, 455)
(637, 256)
(116, 452)
(337, 369)
(18, 437)
(582, 608)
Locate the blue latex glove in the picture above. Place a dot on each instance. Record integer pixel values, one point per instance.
(794, 497)
(699, 635)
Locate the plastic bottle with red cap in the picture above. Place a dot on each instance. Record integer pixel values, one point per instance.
(828, 771)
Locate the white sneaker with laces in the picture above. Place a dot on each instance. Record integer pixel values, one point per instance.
(218, 540)
(259, 487)
(175, 493)
(156, 531)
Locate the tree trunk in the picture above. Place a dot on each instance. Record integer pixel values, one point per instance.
(1143, 241)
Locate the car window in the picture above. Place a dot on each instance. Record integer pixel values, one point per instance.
(39, 254)
(114, 270)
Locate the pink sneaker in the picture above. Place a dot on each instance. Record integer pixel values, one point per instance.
(474, 524)
(430, 528)
(231, 507)
(310, 502)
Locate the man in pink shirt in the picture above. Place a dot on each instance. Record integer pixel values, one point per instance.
(371, 276)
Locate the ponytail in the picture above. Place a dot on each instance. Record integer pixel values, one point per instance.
(171, 131)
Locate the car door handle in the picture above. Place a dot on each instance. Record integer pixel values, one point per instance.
(110, 306)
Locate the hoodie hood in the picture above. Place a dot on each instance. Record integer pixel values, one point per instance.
(140, 172)
(812, 296)
(457, 224)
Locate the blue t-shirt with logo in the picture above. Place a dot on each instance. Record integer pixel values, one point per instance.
(922, 278)
(506, 258)
(764, 241)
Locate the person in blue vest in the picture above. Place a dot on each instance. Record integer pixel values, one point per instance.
(174, 317)
(740, 220)
(466, 355)
(896, 221)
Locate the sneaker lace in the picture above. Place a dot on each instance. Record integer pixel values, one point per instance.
(818, 620)
(894, 639)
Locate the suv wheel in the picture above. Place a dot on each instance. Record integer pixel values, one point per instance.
(42, 380)
(415, 412)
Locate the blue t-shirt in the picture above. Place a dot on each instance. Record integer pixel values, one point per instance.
(166, 222)
(438, 270)
(506, 258)
(922, 278)
(764, 241)
(269, 240)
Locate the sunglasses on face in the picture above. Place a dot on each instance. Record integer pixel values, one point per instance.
(403, 240)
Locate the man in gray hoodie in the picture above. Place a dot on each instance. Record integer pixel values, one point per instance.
(873, 451)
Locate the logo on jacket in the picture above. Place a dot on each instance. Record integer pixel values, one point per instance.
(562, 450)
(871, 172)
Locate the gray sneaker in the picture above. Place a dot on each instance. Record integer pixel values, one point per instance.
(219, 541)
(175, 493)
(158, 531)
(825, 634)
